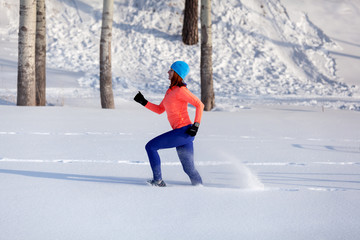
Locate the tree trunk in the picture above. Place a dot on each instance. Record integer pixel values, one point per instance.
(40, 54)
(106, 92)
(207, 90)
(26, 54)
(190, 35)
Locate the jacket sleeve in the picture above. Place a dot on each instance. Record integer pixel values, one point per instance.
(159, 109)
(195, 101)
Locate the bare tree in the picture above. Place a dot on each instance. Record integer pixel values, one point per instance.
(26, 54)
(40, 54)
(106, 92)
(190, 35)
(207, 89)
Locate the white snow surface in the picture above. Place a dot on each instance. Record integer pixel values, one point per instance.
(268, 172)
(279, 155)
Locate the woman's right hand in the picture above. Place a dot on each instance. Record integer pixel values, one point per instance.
(140, 99)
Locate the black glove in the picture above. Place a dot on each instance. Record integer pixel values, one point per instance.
(140, 99)
(193, 129)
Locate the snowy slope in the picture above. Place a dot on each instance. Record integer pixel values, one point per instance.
(261, 53)
(338, 20)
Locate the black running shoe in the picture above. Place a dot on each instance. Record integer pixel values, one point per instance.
(159, 183)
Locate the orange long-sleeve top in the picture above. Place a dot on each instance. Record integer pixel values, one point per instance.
(175, 103)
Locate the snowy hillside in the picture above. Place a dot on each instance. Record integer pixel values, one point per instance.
(261, 53)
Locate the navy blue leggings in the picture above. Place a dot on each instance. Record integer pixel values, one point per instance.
(184, 146)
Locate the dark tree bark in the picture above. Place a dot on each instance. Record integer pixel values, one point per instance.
(190, 32)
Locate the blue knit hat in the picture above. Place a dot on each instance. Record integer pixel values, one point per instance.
(181, 68)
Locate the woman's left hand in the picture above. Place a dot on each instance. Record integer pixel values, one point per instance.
(193, 129)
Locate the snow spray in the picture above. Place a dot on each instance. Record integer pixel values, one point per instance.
(245, 178)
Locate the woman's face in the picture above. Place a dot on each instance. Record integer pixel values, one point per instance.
(171, 74)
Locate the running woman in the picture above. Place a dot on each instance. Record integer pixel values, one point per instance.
(175, 103)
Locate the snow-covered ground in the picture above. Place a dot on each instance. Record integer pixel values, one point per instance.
(269, 173)
(279, 155)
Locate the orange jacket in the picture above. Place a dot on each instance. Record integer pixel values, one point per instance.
(175, 104)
